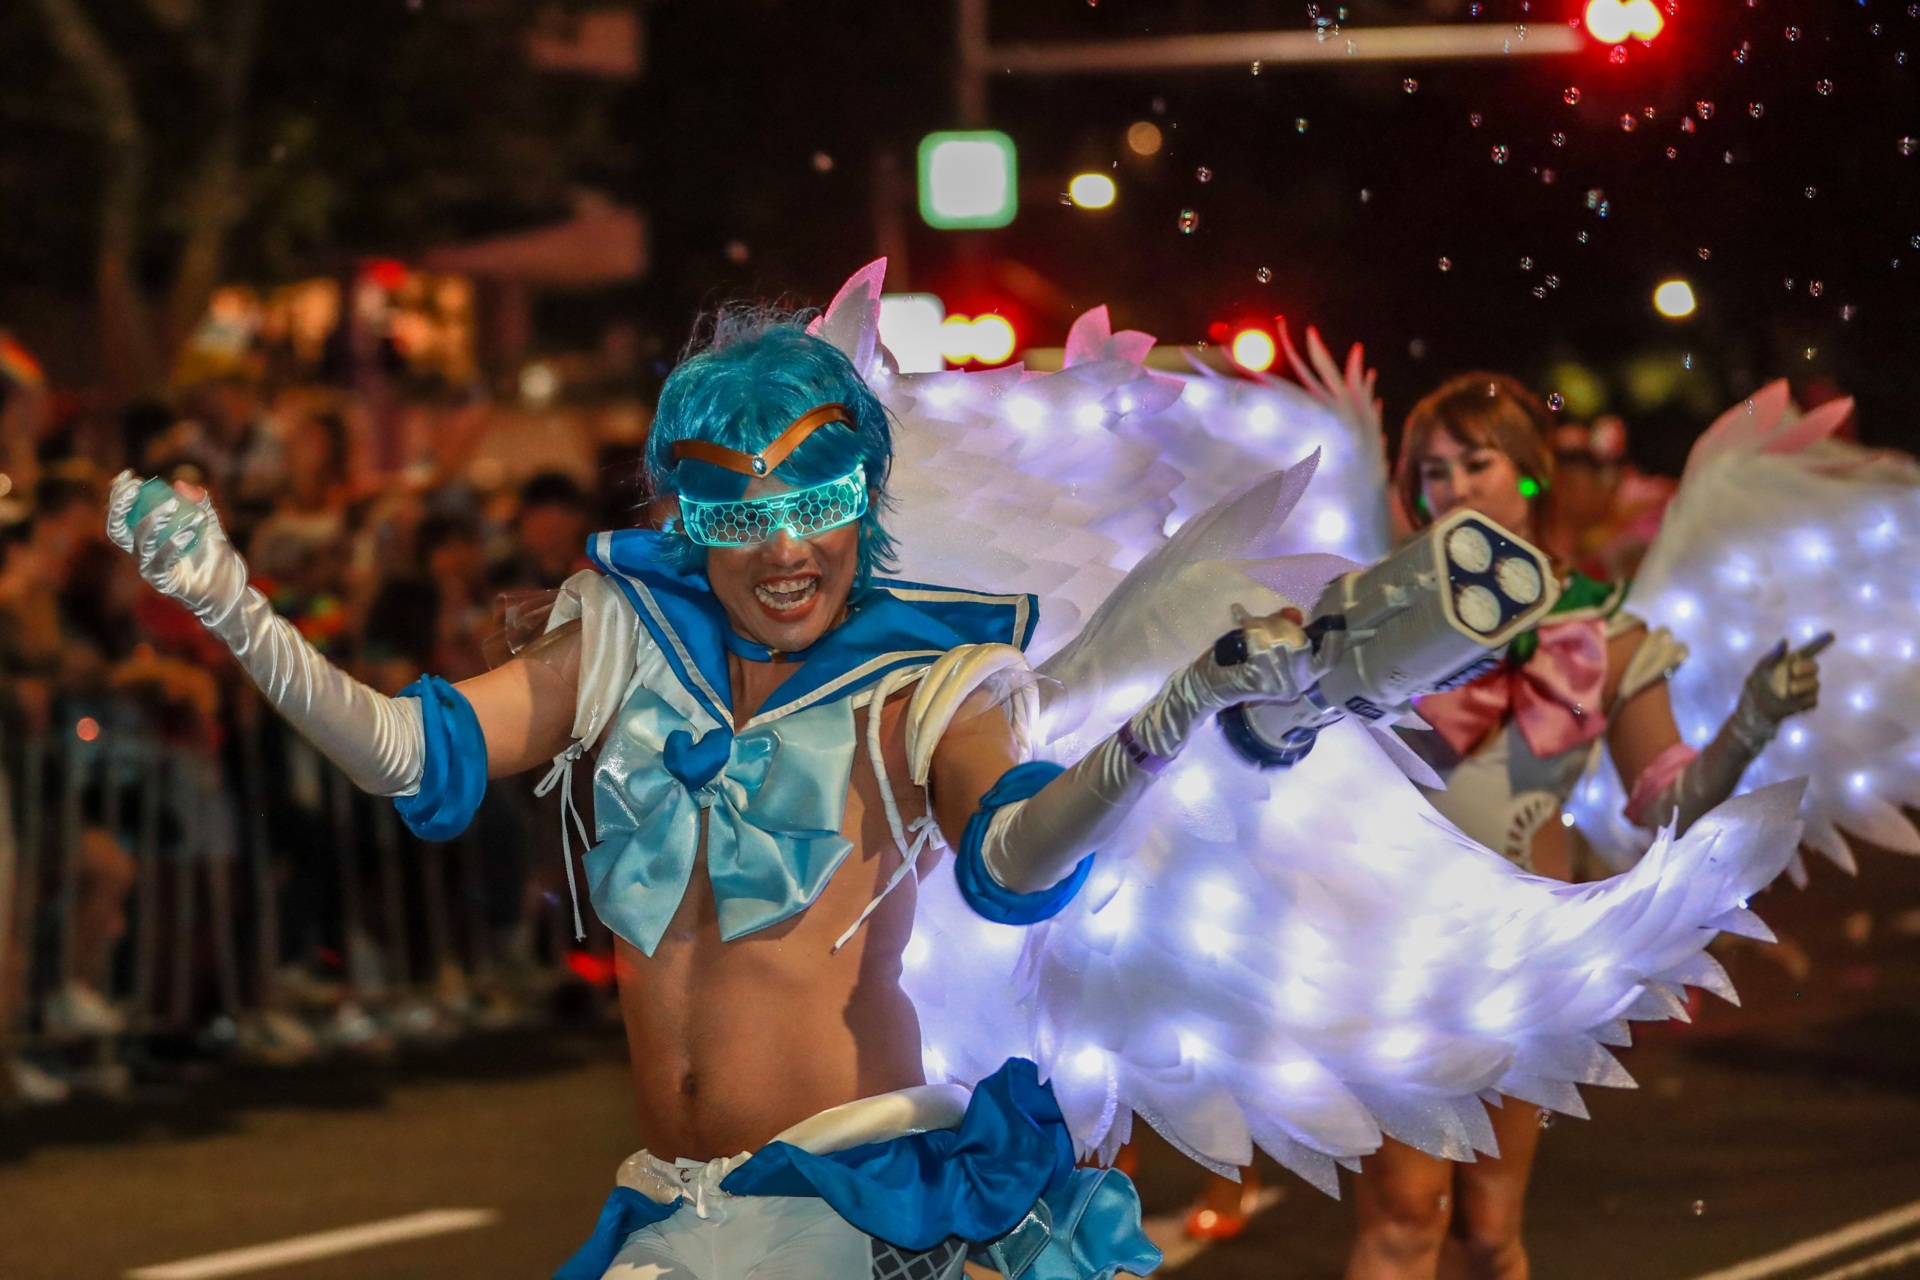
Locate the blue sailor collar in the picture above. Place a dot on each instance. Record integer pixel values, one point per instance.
(891, 625)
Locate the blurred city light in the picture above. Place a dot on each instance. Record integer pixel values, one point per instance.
(993, 340)
(910, 328)
(1674, 299)
(1253, 350)
(1616, 21)
(968, 179)
(539, 383)
(1607, 21)
(1644, 20)
(1092, 190)
(1143, 138)
(987, 339)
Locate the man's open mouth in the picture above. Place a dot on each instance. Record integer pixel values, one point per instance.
(787, 595)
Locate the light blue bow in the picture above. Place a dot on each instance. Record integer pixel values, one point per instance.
(774, 811)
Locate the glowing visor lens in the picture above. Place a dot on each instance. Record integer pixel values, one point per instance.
(801, 512)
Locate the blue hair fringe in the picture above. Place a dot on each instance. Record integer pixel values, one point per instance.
(757, 372)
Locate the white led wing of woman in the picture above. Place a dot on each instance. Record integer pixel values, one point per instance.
(1779, 529)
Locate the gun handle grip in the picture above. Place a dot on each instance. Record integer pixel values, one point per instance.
(1230, 650)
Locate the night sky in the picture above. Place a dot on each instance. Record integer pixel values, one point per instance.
(746, 102)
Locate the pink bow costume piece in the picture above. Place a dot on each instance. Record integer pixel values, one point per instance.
(1554, 697)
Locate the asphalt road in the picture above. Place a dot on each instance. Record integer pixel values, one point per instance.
(1755, 1130)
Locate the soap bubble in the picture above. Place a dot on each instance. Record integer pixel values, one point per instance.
(1572, 95)
(1189, 221)
(1264, 275)
(1446, 264)
(1500, 153)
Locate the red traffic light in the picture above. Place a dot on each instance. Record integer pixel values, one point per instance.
(1617, 21)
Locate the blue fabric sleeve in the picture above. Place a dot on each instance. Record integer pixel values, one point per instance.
(983, 893)
(454, 777)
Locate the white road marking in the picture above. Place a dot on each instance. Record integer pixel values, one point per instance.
(1877, 1263)
(1169, 1231)
(321, 1244)
(1819, 1247)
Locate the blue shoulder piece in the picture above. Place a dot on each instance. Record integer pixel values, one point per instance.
(983, 893)
(455, 776)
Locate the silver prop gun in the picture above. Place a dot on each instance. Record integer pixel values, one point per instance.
(1432, 616)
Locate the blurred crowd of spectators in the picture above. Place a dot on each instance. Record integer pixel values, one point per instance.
(399, 537)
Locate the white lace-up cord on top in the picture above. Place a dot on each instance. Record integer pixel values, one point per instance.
(669, 1183)
(561, 775)
(706, 1181)
(924, 831)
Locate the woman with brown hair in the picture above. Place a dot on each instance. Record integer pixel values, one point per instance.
(1511, 746)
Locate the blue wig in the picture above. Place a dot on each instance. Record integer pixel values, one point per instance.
(741, 389)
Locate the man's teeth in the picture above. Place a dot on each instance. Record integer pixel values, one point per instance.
(786, 593)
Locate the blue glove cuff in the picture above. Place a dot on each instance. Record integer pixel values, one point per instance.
(455, 774)
(987, 896)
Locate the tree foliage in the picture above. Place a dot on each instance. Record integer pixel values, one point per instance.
(153, 149)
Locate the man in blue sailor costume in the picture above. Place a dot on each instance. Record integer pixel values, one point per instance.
(785, 743)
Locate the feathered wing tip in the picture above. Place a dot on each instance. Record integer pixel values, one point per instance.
(1768, 422)
(851, 321)
(1781, 530)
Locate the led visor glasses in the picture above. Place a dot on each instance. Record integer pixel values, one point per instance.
(801, 512)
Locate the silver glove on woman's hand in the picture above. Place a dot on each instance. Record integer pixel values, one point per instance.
(1034, 844)
(183, 552)
(1784, 683)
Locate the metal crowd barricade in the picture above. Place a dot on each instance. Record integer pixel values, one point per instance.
(206, 952)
